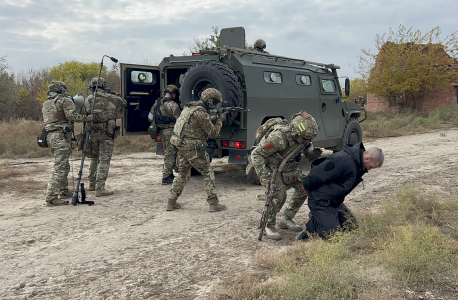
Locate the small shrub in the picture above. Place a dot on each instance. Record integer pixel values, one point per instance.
(417, 253)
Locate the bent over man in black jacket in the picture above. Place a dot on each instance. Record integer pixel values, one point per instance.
(330, 180)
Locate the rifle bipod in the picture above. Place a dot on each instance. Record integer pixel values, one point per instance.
(76, 200)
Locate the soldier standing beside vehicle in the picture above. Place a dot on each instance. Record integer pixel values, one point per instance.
(59, 113)
(107, 108)
(190, 134)
(165, 112)
(260, 46)
(285, 142)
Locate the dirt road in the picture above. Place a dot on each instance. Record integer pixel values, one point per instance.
(128, 247)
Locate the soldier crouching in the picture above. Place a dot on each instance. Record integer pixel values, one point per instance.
(190, 134)
(285, 141)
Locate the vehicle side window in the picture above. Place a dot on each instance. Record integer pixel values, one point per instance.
(272, 77)
(142, 77)
(303, 79)
(329, 86)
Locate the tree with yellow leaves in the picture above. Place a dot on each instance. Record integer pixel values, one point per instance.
(409, 64)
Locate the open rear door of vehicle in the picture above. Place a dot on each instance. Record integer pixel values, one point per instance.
(140, 86)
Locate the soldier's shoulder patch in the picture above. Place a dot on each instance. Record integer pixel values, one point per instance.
(268, 146)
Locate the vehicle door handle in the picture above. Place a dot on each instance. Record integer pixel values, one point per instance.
(323, 107)
(337, 100)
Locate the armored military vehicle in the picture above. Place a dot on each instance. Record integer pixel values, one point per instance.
(269, 85)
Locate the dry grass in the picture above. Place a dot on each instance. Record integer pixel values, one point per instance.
(404, 252)
(19, 178)
(19, 140)
(384, 124)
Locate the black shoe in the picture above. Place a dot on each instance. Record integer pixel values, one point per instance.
(302, 236)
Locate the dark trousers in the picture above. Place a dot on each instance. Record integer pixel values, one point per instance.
(327, 218)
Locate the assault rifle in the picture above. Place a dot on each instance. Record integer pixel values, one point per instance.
(215, 113)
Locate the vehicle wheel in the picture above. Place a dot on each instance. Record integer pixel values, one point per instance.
(352, 133)
(207, 74)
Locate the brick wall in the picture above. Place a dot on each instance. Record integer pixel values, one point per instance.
(447, 96)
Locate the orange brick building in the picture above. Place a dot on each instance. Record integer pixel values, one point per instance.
(431, 101)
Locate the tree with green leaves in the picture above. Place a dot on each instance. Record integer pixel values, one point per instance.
(409, 65)
(207, 43)
(9, 93)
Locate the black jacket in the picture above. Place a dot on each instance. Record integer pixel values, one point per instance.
(334, 177)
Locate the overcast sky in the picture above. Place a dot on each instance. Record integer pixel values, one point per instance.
(44, 33)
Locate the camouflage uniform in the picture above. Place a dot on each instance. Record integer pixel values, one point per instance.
(260, 46)
(59, 112)
(168, 108)
(190, 134)
(273, 148)
(360, 101)
(108, 107)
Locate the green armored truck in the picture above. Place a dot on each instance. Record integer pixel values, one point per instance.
(269, 85)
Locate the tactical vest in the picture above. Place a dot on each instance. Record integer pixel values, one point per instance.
(51, 113)
(159, 117)
(183, 120)
(292, 164)
(101, 111)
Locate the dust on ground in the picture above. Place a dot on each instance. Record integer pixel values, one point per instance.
(127, 246)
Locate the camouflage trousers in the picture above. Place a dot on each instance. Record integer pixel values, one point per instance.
(170, 156)
(60, 150)
(198, 159)
(279, 199)
(101, 150)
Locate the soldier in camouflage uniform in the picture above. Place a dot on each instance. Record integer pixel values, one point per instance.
(59, 113)
(107, 108)
(360, 101)
(190, 134)
(283, 141)
(260, 46)
(166, 111)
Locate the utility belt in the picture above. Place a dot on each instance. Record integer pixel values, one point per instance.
(289, 176)
(109, 127)
(163, 120)
(187, 144)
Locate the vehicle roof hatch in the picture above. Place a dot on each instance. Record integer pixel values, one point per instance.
(233, 37)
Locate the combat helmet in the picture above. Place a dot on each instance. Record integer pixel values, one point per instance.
(172, 89)
(102, 83)
(57, 87)
(260, 44)
(303, 125)
(211, 97)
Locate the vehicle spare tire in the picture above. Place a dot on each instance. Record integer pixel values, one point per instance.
(211, 74)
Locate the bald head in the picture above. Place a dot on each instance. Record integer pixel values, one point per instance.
(373, 158)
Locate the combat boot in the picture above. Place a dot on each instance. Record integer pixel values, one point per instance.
(56, 202)
(91, 186)
(303, 237)
(287, 223)
(215, 206)
(65, 195)
(168, 180)
(271, 233)
(172, 205)
(100, 192)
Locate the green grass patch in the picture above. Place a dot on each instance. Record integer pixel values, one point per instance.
(385, 124)
(410, 245)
